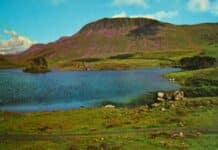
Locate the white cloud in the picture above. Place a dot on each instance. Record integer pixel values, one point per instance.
(199, 5)
(120, 15)
(215, 8)
(161, 15)
(157, 15)
(129, 2)
(16, 44)
(210, 6)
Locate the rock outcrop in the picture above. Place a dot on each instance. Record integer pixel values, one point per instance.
(170, 96)
(37, 65)
(109, 106)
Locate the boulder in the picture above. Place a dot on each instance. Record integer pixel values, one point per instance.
(178, 95)
(160, 99)
(155, 104)
(181, 134)
(170, 96)
(160, 94)
(109, 106)
(163, 109)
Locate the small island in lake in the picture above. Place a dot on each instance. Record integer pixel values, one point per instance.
(37, 65)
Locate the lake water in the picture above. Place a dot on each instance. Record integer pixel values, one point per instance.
(25, 92)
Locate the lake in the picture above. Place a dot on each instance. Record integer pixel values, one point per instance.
(58, 90)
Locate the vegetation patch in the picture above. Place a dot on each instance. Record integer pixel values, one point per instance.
(122, 56)
(5, 63)
(198, 83)
(117, 128)
(88, 59)
(37, 65)
(197, 62)
(205, 91)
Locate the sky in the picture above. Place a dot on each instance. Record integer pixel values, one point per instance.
(26, 22)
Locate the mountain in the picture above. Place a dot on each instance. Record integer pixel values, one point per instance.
(110, 37)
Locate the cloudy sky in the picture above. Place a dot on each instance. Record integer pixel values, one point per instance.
(24, 22)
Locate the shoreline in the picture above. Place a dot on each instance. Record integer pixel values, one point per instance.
(127, 101)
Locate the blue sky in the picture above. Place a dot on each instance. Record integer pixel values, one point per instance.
(31, 21)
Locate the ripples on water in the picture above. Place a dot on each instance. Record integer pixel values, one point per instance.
(72, 89)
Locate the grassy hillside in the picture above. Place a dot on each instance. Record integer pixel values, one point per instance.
(126, 61)
(211, 50)
(110, 37)
(5, 63)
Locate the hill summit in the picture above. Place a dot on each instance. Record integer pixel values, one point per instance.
(112, 36)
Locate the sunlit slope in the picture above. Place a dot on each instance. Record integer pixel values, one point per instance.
(110, 37)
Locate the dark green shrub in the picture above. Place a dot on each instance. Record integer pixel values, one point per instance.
(205, 91)
(88, 59)
(146, 99)
(121, 56)
(197, 62)
(197, 82)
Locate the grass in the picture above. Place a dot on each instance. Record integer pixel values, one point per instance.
(197, 83)
(192, 113)
(211, 50)
(127, 61)
(202, 142)
(128, 64)
(152, 58)
(4, 63)
(189, 114)
(117, 62)
(205, 74)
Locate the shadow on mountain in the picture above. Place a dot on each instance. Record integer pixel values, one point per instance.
(150, 29)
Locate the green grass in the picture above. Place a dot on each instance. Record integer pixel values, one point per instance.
(120, 61)
(188, 114)
(81, 120)
(183, 76)
(197, 83)
(211, 50)
(127, 142)
(116, 64)
(126, 61)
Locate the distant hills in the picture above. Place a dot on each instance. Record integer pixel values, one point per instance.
(109, 37)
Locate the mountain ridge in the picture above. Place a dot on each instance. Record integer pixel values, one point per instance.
(112, 36)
